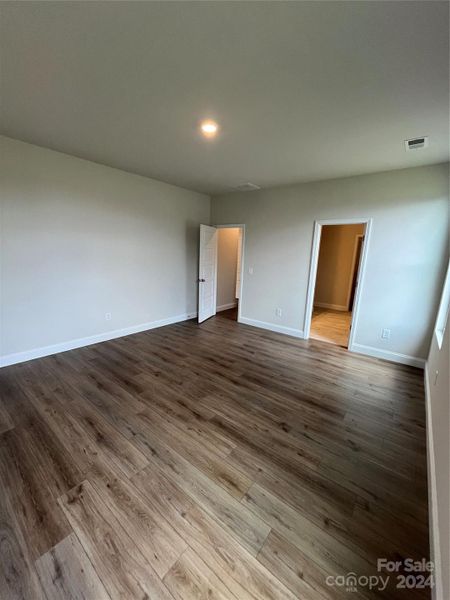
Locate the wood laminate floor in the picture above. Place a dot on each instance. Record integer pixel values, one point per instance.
(213, 462)
(332, 326)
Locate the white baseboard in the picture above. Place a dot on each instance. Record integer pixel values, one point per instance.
(11, 359)
(226, 306)
(397, 357)
(437, 592)
(331, 306)
(272, 327)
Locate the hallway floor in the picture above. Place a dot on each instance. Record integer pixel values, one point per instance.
(332, 326)
(230, 313)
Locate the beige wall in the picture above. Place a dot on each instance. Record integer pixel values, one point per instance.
(335, 267)
(227, 258)
(406, 253)
(438, 399)
(80, 240)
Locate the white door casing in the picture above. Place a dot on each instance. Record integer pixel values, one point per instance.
(207, 273)
(313, 272)
(239, 265)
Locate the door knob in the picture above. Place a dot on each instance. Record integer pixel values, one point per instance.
(201, 280)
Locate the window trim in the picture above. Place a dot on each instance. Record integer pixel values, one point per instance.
(443, 312)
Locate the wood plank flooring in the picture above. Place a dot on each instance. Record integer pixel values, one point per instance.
(332, 326)
(212, 461)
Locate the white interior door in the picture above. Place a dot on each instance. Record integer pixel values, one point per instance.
(207, 273)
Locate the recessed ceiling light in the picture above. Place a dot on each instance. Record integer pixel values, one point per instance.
(209, 128)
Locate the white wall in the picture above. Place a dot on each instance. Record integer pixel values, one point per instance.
(80, 240)
(438, 438)
(405, 266)
(227, 258)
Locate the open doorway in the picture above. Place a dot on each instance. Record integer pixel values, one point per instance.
(229, 251)
(335, 274)
(220, 271)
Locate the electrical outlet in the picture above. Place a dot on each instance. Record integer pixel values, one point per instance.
(278, 312)
(108, 317)
(386, 334)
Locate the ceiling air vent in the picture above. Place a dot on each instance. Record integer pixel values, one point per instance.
(247, 187)
(416, 143)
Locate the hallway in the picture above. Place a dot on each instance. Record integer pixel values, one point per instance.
(332, 326)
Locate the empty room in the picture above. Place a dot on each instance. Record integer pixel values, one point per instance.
(224, 300)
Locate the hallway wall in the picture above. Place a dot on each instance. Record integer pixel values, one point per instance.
(227, 255)
(335, 268)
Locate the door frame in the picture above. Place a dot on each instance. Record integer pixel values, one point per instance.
(313, 272)
(242, 227)
(358, 236)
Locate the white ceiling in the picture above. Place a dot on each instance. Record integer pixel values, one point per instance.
(302, 90)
